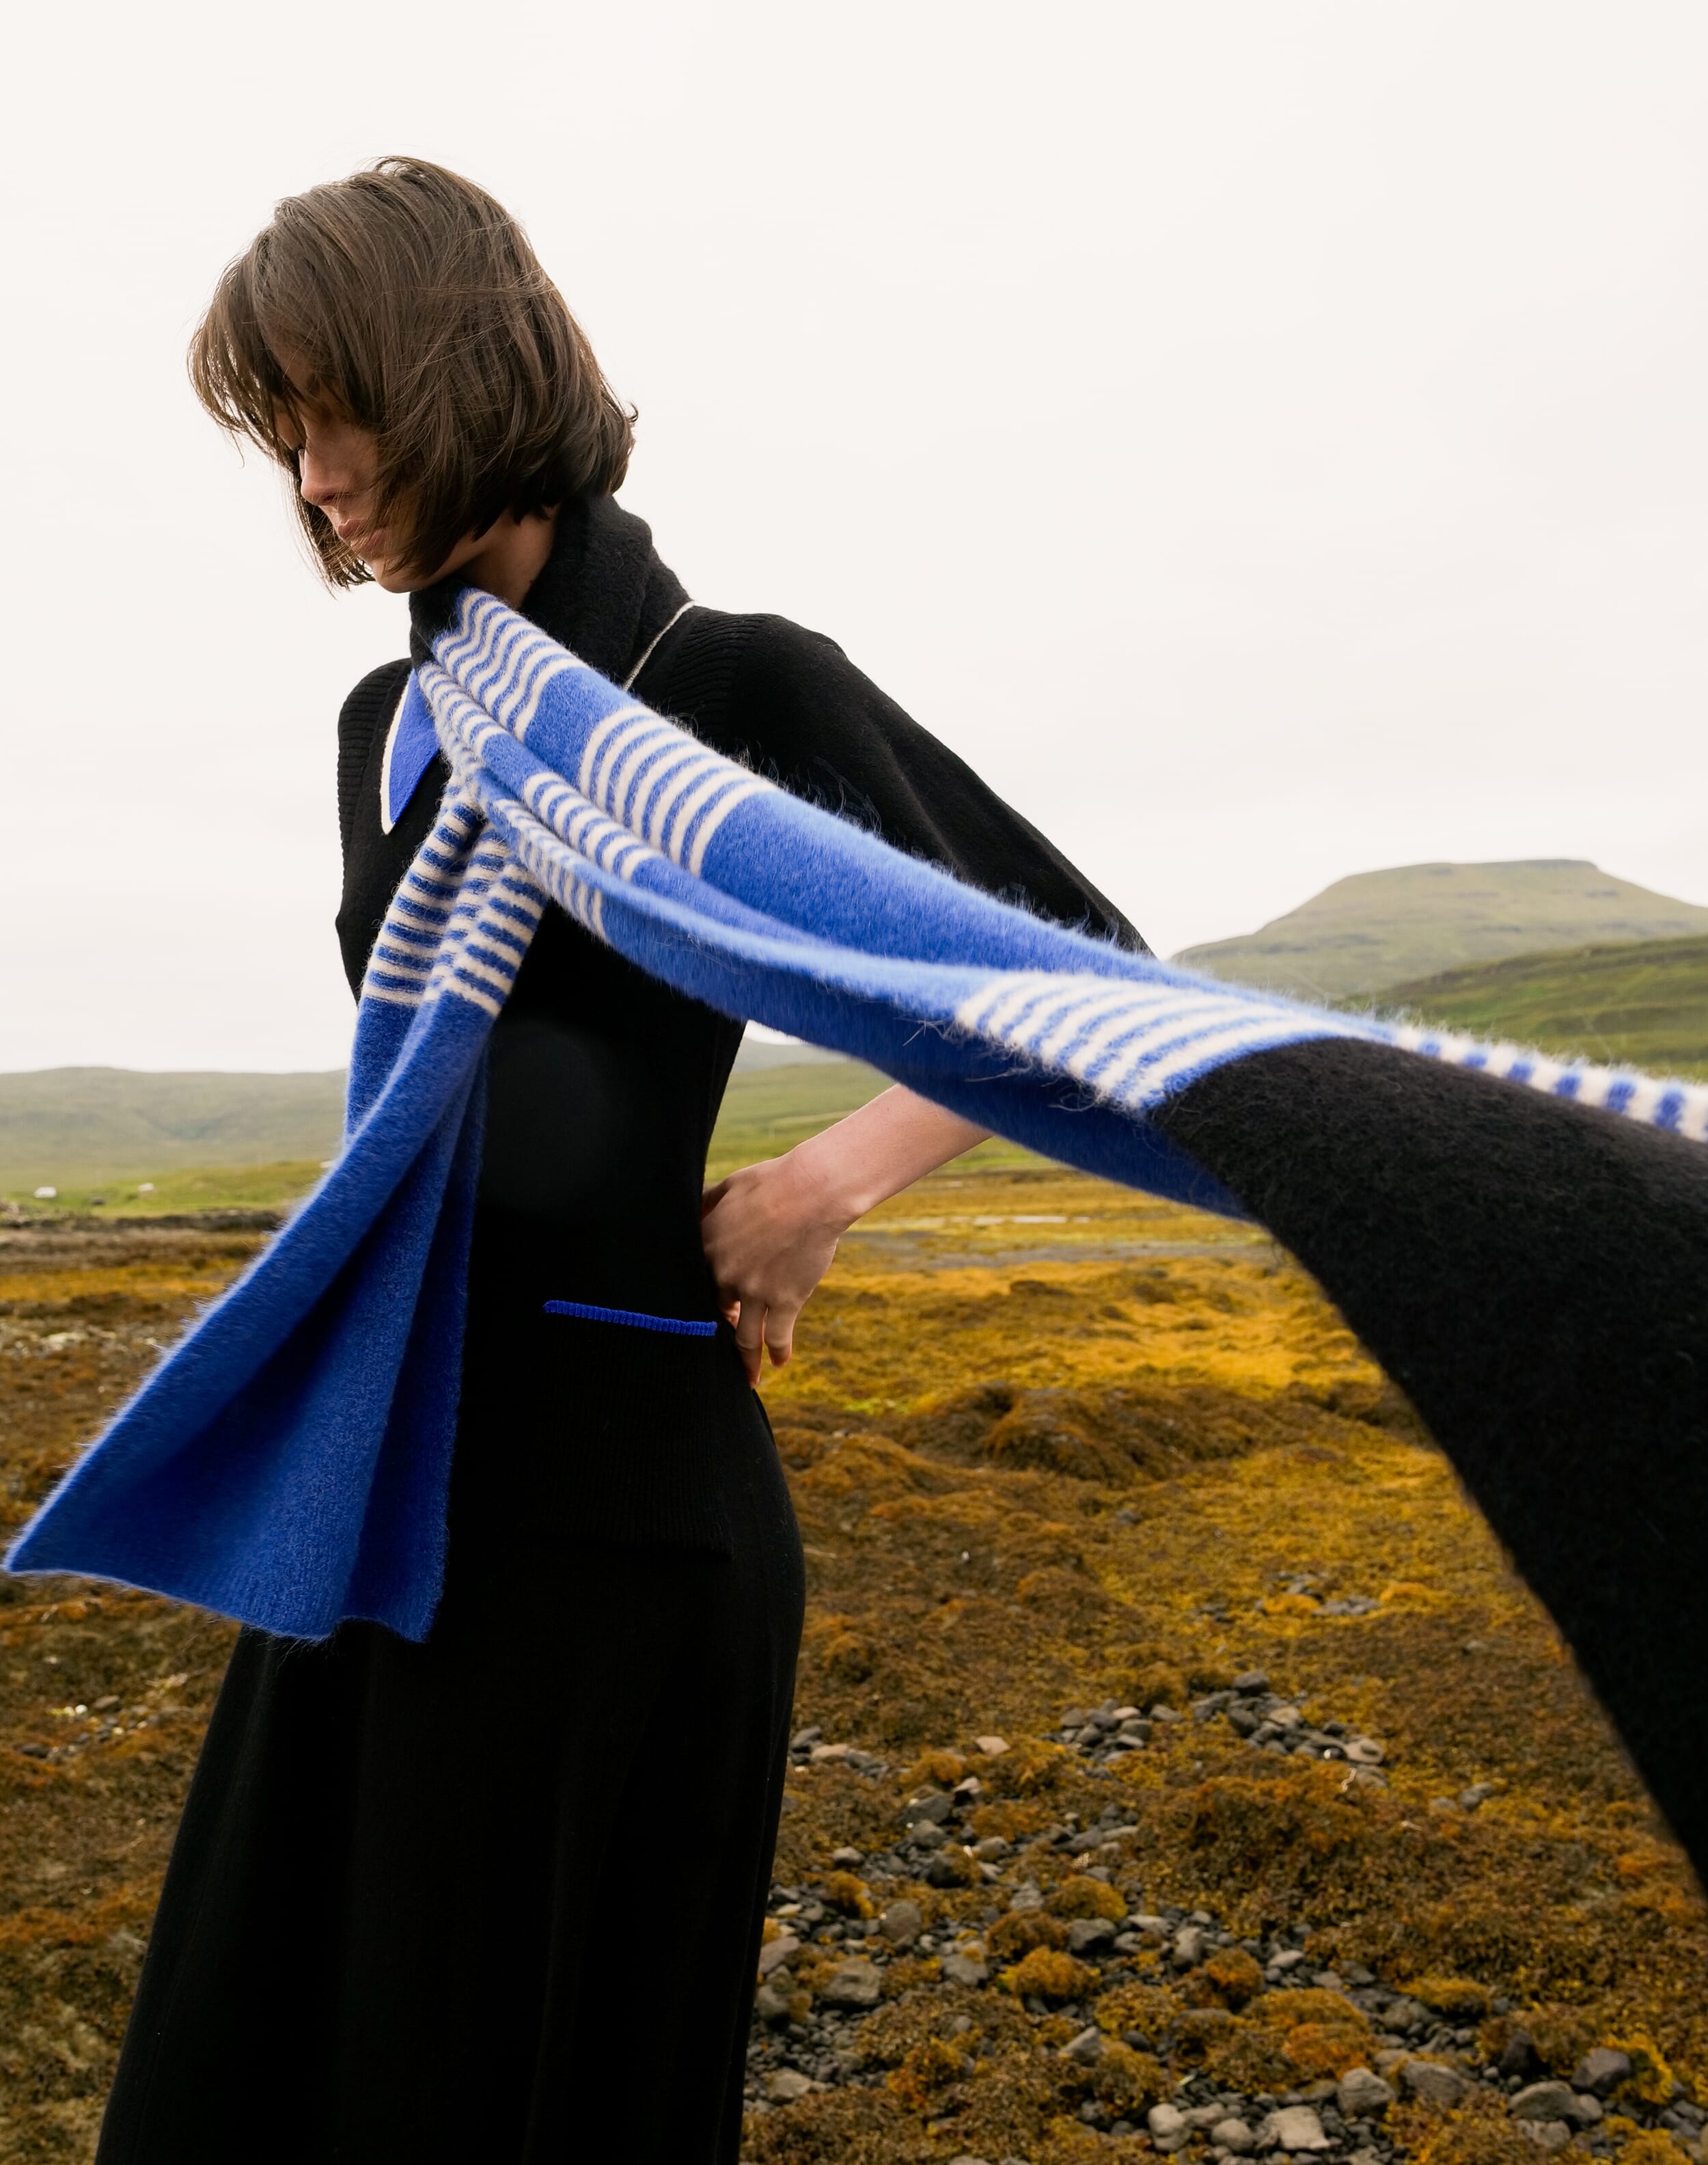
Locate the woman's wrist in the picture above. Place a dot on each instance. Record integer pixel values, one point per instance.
(834, 1182)
(849, 1169)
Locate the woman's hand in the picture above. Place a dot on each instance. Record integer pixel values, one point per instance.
(770, 1230)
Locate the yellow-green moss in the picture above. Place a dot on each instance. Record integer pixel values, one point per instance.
(1082, 1897)
(1048, 1974)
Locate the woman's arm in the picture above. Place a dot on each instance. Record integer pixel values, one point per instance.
(771, 1230)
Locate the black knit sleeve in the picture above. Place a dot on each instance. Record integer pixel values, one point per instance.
(364, 715)
(805, 716)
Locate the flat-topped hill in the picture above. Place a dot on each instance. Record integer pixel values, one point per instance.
(1374, 931)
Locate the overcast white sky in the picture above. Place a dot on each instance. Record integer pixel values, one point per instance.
(1265, 438)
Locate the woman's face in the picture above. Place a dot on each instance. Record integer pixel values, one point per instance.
(337, 471)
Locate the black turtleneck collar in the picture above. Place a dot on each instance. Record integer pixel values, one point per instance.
(602, 592)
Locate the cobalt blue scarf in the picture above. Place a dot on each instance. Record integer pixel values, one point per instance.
(289, 1463)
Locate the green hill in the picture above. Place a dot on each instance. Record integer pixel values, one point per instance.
(69, 1127)
(1644, 1003)
(1374, 930)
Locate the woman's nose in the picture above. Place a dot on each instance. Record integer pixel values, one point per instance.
(318, 477)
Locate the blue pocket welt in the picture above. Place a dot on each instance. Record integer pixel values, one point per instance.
(677, 1326)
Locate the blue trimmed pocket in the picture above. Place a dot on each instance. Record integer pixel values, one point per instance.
(675, 1325)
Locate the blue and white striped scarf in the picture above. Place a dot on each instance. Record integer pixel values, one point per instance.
(289, 1463)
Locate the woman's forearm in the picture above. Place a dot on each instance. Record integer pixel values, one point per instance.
(885, 1146)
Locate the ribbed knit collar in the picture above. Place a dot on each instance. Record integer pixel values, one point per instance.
(603, 592)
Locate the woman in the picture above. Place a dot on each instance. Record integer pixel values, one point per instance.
(499, 1895)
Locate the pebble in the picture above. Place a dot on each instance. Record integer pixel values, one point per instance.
(1431, 2083)
(787, 2084)
(1189, 1946)
(1547, 2135)
(856, 1983)
(1092, 1936)
(1294, 2127)
(1601, 2071)
(1544, 2101)
(777, 1951)
(1166, 2119)
(1087, 2049)
(965, 1969)
(901, 1923)
(1233, 2135)
(1361, 2095)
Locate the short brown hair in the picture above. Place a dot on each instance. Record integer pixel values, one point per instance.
(417, 304)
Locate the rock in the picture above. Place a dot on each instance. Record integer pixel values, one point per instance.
(1288, 1958)
(965, 1969)
(1477, 1795)
(933, 1810)
(993, 1747)
(1406, 2016)
(1362, 2094)
(1294, 2127)
(775, 1953)
(990, 1848)
(1589, 2112)
(829, 1755)
(1519, 2057)
(1189, 1946)
(1543, 2101)
(1600, 2071)
(1251, 1683)
(1233, 2134)
(1364, 1751)
(787, 2084)
(850, 1859)
(856, 1983)
(1431, 2083)
(1090, 1936)
(1547, 2135)
(804, 1737)
(1026, 1898)
(1166, 2119)
(1087, 2049)
(772, 2004)
(928, 1835)
(902, 1924)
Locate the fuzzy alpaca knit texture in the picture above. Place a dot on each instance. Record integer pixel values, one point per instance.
(289, 1463)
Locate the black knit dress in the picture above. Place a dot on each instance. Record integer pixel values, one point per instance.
(498, 1896)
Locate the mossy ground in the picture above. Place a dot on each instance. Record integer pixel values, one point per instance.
(1049, 1443)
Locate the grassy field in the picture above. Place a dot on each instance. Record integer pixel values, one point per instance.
(1376, 930)
(1645, 1005)
(1051, 1445)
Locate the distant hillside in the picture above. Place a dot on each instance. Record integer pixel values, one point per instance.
(1377, 929)
(1644, 1003)
(79, 1129)
(67, 1127)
